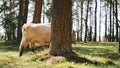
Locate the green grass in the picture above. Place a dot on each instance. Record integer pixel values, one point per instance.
(106, 53)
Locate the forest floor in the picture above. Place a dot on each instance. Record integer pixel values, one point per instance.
(106, 53)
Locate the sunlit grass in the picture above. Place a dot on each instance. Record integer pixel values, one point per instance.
(105, 53)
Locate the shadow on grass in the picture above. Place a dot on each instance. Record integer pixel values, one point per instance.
(90, 51)
(8, 46)
(80, 59)
(113, 56)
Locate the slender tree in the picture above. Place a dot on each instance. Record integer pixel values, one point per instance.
(81, 27)
(37, 11)
(77, 20)
(116, 16)
(91, 22)
(119, 40)
(110, 33)
(86, 20)
(26, 4)
(61, 27)
(106, 37)
(20, 20)
(100, 23)
(113, 22)
(95, 35)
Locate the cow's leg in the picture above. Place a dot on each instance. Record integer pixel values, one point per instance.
(23, 45)
(32, 47)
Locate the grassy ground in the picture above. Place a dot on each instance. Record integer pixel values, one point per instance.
(105, 53)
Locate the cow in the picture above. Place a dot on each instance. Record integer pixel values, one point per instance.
(37, 33)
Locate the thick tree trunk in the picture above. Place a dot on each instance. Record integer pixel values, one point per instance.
(61, 24)
(37, 12)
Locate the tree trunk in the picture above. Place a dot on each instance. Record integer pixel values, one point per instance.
(116, 16)
(20, 20)
(86, 20)
(95, 35)
(91, 23)
(61, 27)
(106, 37)
(113, 23)
(81, 21)
(100, 24)
(77, 20)
(119, 40)
(25, 11)
(37, 11)
(110, 33)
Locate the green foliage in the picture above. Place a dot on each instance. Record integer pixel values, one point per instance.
(106, 53)
(8, 20)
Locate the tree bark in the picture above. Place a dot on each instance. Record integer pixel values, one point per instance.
(86, 20)
(106, 37)
(110, 33)
(113, 38)
(26, 11)
(81, 21)
(20, 20)
(100, 24)
(116, 16)
(37, 11)
(95, 36)
(61, 27)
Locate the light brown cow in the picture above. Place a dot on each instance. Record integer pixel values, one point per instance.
(37, 33)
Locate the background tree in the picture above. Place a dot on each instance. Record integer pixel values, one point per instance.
(37, 11)
(61, 27)
(106, 37)
(100, 23)
(22, 17)
(113, 22)
(8, 19)
(116, 16)
(110, 33)
(95, 35)
(86, 20)
(81, 27)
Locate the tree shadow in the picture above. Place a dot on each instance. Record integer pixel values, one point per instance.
(81, 59)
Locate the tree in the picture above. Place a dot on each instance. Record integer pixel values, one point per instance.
(119, 40)
(8, 19)
(86, 20)
(22, 17)
(95, 35)
(106, 28)
(100, 24)
(110, 33)
(61, 27)
(37, 11)
(81, 27)
(113, 22)
(26, 10)
(91, 22)
(116, 16)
